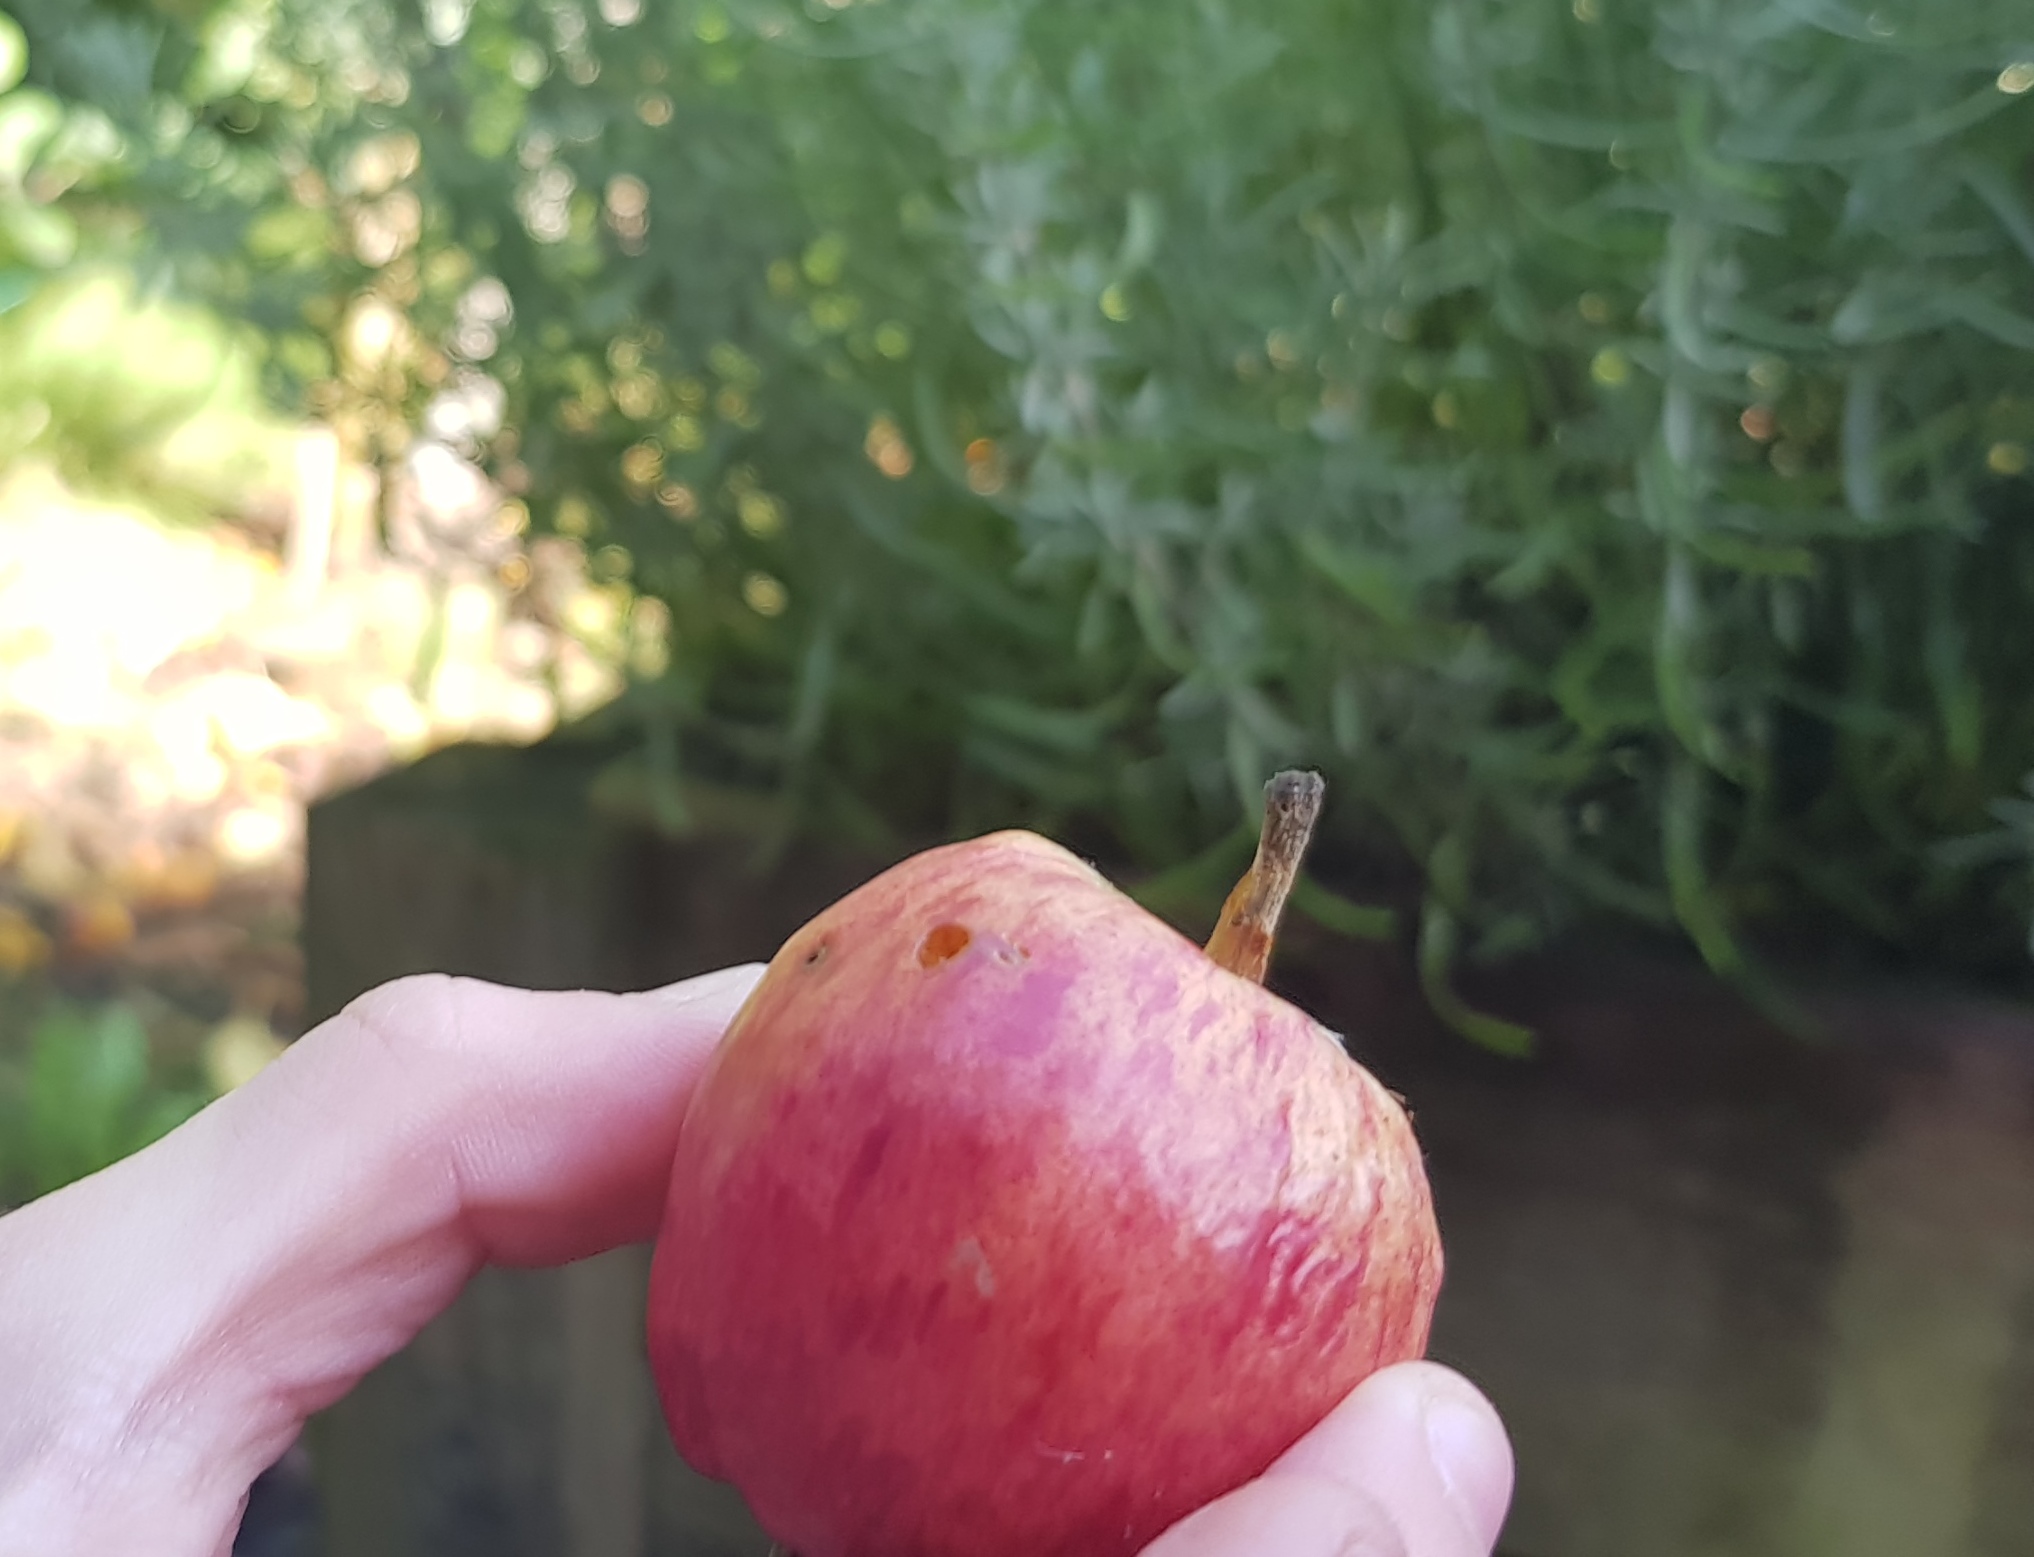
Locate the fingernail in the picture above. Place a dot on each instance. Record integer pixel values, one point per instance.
(723, 984)
(1472, 1457)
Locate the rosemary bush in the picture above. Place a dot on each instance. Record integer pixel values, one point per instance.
(1596, 434)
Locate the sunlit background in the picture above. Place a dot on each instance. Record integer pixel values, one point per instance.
(1599, 435)
(1600, 438)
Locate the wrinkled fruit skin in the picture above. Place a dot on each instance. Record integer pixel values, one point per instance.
(1006, 1224)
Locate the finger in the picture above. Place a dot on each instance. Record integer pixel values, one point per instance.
(1296, 1516)
(1425, 1443)
(185, 1310)
(1414, 1463)
(435, 1126)
(554, 1117)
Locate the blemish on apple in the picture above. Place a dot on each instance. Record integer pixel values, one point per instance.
(943, 943)
(971, 1260)
(868, 1159)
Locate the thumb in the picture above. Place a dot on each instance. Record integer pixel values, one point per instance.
(1413, 1464)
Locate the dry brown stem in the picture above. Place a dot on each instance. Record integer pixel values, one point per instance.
(1245, 933)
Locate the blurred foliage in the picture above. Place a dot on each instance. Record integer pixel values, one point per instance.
(136, 397)
(126, 393)
(77, 1093)
(1595, 434)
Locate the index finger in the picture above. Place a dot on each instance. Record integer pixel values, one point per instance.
(167, 1325)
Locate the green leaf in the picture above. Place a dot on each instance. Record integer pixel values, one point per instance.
(1439, 947)
(1695, 905)
(13, 53)
(17, 285)
(1332, 911)
(1199, 884)
(1070, 732)
(1372, 581)
(293, 233)
(28, 121)
(88, 1071)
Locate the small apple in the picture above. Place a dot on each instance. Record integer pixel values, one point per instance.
(1007, 1222)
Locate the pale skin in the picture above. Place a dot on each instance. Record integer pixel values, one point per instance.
(167, 1326)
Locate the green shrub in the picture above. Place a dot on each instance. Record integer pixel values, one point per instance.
(120, 390)
(1596, 434)
(79, 1097)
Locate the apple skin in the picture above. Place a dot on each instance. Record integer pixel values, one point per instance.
(1007, 1224)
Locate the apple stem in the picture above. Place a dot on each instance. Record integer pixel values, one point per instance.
(1249, 924)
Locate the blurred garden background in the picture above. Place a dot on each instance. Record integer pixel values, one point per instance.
(1598, 434)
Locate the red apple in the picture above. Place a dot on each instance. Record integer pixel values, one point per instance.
(1010, 1223)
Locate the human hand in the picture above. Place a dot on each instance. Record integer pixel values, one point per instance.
(168, 1325)
(1414, 1463)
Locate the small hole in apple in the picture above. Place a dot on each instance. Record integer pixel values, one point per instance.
(943, 944)
(816, 956)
